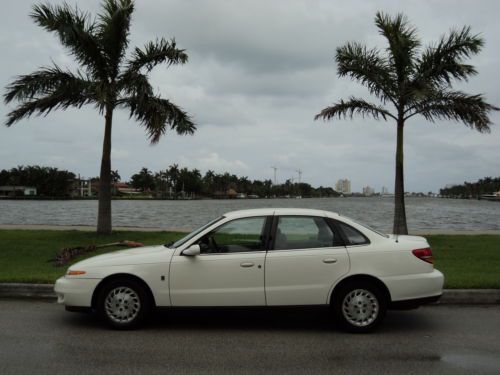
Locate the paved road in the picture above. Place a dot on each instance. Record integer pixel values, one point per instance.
(41, 338)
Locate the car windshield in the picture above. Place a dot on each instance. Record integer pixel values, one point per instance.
(368, 227)
(184, 239)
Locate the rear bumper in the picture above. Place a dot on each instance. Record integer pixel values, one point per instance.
(415, 287)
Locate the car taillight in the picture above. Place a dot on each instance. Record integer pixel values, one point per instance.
(424, 254)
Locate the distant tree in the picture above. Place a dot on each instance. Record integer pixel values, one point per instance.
(173, 176)
(189, 182)
(49, 181)
(414, 82)
(105, 79)
(144, 180)
(161, 183)
(115, 176)
(487, 185)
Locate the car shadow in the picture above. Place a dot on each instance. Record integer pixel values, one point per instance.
(256, 319)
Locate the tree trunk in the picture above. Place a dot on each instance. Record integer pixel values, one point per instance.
(104, 212)
(400, 226)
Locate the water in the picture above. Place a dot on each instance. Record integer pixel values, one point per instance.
(422, 213)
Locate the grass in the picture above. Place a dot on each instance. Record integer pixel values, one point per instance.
(25, 254)
(468, 261)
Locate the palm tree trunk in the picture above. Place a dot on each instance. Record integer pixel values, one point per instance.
(104, 211)
(400, 226)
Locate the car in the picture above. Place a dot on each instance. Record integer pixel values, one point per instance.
(261, 257)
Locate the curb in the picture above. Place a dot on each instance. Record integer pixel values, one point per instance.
(20, 290)
(470, 297)
(450, 296)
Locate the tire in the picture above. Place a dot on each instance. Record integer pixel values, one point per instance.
(359, 306)
(124, 303)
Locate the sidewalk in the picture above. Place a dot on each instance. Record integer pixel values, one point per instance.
(450, 296)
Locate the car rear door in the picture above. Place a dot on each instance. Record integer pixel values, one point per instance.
(306, 257)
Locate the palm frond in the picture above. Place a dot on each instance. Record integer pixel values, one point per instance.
(443, 62)
(472, 110)
(403, 42)
(113, 31)
(368, 67)
(43, 82)
(158, 52)
(76, 32)
(134, 84)
(353, 106)
(61, 98)
(157, 115)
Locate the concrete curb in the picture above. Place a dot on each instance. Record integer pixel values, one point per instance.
(470, 297)
(20, 290)
(450, 296)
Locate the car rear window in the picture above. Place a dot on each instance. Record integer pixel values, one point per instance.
(352, 235)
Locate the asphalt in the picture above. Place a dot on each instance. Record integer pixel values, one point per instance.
(40, 337)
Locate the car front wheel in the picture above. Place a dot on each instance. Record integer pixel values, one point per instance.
(359, 307)
(123, 303)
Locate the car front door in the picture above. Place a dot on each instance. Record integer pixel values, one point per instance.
(228, 272)
(307, 258)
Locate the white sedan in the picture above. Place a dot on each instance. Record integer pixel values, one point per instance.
(262, 257)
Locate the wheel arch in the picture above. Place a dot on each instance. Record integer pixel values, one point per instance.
(118, 276)
(361, 277)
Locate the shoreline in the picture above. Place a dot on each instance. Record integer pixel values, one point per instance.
(90, 228)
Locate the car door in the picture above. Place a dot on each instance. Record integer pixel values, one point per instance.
(228, 272)
(307, 257)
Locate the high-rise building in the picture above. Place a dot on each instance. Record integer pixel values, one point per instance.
(368, 191)
(343, 186)
(384, 190)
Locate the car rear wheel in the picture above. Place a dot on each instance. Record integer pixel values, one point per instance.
(124, 303)
(359, 307)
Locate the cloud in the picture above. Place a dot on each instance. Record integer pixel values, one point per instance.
(257, 74)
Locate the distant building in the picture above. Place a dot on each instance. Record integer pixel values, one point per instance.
(368, 191)
(343, 186)
(384, 190)
(81, 187)
(17, 191)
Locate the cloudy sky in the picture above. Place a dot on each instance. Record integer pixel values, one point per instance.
(258, 72)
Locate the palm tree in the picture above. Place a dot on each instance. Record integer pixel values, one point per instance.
(106, 78)
(409, 80)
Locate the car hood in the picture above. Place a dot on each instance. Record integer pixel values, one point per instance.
(138, 255)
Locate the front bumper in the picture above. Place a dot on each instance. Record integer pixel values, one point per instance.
(75, 291)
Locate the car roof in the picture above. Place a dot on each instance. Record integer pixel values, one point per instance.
(279, 211)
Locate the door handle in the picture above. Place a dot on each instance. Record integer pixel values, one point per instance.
(246, 264)
(329, 260)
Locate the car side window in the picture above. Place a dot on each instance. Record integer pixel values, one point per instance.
(304, 232)
(353, 236)
(240, 235)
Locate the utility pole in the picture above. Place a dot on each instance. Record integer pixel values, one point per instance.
(300, 174)
(275, 169)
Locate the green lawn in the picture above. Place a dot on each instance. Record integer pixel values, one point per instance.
(467, 261)
(25, 254)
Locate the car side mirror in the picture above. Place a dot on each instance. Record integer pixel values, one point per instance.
(192, 251)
